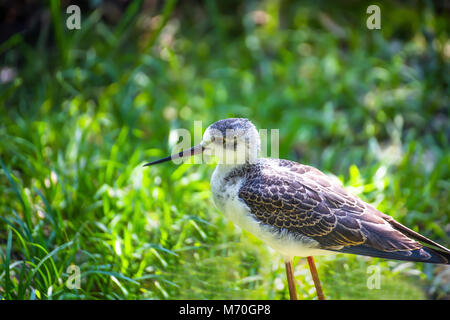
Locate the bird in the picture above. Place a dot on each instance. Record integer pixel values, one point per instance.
(298, 210)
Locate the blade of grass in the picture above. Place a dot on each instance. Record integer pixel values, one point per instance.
(166, 13)
(50, 213)
(48, 256)
(129, 14)
(7, 258)
(55, 11)
(111, 274)
(26, 208)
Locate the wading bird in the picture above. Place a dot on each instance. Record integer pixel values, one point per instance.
(298, 210)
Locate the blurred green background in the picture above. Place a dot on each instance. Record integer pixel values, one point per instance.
(82, 110)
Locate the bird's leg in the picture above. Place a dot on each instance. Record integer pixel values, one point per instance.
(315, 276)
(291, 279)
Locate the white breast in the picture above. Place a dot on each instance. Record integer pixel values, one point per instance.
(226, 198)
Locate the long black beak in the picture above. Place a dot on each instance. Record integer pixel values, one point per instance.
(183, 154)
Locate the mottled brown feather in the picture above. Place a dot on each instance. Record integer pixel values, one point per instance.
(303, 200)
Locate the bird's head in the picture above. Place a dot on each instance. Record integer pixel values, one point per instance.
(234, 141)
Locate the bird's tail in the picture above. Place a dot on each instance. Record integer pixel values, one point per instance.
(438, 256)
(424, 254)
(431, 252)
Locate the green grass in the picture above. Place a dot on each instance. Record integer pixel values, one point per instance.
(88, 109)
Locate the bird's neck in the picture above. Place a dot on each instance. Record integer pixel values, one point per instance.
(225, 170)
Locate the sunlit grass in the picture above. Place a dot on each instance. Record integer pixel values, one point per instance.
(78, 123)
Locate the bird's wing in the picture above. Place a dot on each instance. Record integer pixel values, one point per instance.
(303, 200)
